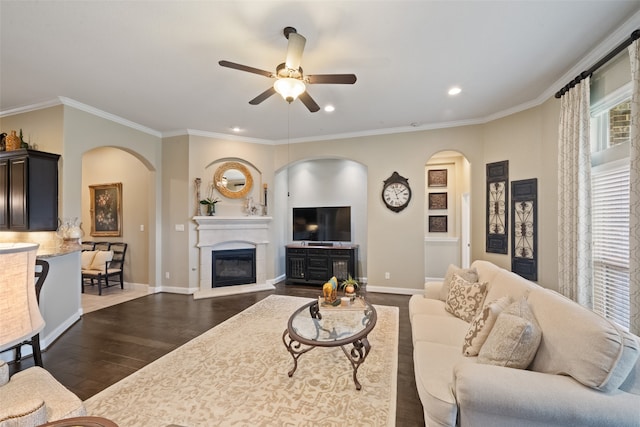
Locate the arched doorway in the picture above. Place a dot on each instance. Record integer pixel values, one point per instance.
(447, 212)
(105, 165)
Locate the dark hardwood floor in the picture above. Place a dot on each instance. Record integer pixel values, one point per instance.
(109, 344)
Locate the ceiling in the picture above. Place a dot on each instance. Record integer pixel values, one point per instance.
(155, 63)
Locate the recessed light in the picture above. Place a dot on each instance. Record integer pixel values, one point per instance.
(329, 108)
(235, 129)
(454, 91)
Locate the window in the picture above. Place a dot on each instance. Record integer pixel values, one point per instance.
(610, 208)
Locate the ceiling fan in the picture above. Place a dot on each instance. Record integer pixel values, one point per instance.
(290, 80)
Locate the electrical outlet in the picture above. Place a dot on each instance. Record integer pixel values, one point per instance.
(387, 275)
(141, 227)
(167, 275)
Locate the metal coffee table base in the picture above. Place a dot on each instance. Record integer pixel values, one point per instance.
(356, 355)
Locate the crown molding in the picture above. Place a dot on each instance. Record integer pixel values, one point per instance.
(32, 107)
(215, 135)
(108, 116)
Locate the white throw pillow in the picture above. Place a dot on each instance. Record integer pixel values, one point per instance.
(101, 258)
(482, 324)
(86, 259)
(468, 274)
(465, 298)
(514, 339)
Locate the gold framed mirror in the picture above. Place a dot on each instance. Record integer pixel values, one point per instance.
(233, 180)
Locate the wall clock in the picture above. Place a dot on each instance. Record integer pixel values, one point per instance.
(396, 193)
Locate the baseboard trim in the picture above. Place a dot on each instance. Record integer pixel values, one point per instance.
(397, 291)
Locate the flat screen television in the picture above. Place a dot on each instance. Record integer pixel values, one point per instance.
(322, 224)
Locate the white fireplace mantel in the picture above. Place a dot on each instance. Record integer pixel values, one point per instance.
(232, 232)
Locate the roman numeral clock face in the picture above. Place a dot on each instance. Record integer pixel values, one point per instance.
(396, 192)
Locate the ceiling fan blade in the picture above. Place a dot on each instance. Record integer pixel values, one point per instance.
(245, 68)
(294, 50)
(264, 95)
(347, 79)
(309, 102)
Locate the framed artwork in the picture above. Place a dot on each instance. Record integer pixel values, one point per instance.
(437, 223)
(437, 178)
(524, 228)
(106, 210)
(497, 207)
(437, 201)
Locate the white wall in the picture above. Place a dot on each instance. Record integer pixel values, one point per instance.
(328, 182)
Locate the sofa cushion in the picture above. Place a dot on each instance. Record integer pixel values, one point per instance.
(588, 347)
(100, 260)
(86, 259)
(448, 330)
(468, 274)
(482, 324)
(433, 364)
(420, 305)
(514, 339)
(508, 283)
(465, 298)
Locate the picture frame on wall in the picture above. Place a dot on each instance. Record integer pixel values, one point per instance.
(106, 210)
(437, 177)
(437, 201)
(437, 223)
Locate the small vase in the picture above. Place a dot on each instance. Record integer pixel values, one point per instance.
(12, 141)
(211, 210)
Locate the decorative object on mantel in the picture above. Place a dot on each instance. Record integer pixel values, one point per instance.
(254, 209)
(210, 204)
(71, 233)
(198, 181)
(210, 201)
(264, 211)
(3, 135)
(12, 141)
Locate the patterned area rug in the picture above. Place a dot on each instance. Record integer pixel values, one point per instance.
(236, 374)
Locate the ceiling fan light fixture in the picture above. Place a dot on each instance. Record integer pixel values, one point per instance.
(289, 88)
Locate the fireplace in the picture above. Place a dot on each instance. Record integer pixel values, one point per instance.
(225, 233)
(233, 267)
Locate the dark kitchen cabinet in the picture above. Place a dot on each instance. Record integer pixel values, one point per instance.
(28, 190)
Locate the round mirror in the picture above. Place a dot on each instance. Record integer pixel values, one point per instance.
(233, 180)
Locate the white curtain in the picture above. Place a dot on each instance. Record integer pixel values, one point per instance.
(634, 193)
(575, 279)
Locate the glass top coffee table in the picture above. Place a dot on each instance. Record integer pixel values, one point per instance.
(315, 325)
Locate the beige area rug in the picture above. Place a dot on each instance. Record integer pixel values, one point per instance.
(236, 375)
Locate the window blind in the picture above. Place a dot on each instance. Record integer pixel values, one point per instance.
(610, 228)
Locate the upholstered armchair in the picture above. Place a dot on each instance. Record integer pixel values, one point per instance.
(33, 396)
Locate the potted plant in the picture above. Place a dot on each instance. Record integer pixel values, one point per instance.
(349, 286)
(210, 204)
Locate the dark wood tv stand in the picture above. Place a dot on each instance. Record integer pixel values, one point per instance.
(315, 263)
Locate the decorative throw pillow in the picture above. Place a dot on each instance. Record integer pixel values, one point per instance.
(465, 298)
(100, 260)
(86, 259)
(514, 339)
(482, 324)
(468, 274)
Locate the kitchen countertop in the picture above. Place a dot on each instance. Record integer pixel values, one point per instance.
(55, 252)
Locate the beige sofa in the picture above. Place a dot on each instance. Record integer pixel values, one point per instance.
(584, 371)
